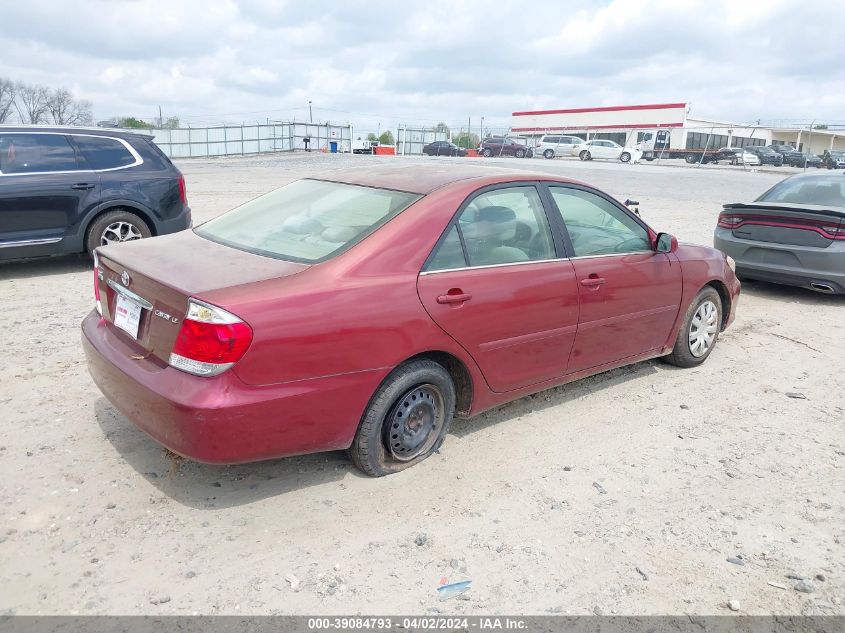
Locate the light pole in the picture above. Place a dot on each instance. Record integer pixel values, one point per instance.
(310, 115)
(481, 135)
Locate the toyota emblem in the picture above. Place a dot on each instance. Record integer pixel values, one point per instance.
(125, 278)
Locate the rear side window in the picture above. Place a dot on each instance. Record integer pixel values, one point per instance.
(307, 220)
(36, 153)
(103, 153)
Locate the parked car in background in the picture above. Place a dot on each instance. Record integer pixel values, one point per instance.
(552, 145)
(601, 148)
(833, 159)
(365, 309)
(766, 155)
(811, 160)
(70, 190)
(443, 148)
(792, 234)
(502, 146)
(791, 156)
(738, 156)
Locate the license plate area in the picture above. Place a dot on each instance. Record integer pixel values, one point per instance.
(127, 315)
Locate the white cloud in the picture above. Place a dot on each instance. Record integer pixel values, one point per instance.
(380, 61)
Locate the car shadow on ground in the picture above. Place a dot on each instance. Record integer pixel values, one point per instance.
(779, 292)
(42, 267)
(211, 487)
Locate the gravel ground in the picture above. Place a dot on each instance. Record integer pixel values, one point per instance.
(645, 490)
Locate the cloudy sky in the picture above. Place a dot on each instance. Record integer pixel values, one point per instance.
(388, 62)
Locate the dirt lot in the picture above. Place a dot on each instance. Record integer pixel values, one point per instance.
(697, 466)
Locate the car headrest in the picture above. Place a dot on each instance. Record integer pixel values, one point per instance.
(493, 223)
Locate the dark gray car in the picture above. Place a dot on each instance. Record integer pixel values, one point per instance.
(793, 234)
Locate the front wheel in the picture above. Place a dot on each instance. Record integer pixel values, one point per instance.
(625, 157)
(407, 419)
(700, 330)
(584, 155)
(520, 153)
(549, 154)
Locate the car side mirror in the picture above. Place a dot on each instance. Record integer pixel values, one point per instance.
(666, 243)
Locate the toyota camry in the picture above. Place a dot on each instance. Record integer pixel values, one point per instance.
(365, 309)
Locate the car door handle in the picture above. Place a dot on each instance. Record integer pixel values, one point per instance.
(458, 297)
(592, 282)
(83, 185)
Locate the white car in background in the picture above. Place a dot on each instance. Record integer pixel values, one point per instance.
(738, 156)
(552, 145)
(601, 148)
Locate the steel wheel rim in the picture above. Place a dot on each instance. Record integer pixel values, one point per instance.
(413, 424)
(703, 329)
(118, 232)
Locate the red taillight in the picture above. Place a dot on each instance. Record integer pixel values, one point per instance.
(183, 192)
(730, 221)
(211, 340)
(97, 285)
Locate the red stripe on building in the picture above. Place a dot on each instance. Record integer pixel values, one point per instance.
(653, 106)
(636, 126)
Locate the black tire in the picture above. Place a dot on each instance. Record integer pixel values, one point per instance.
(584, 155)
(370, 450)
(691, 158)
(487, 152)
(625, 157)
(95, 234)
(682, 354)
(520, 153)
(549, 154)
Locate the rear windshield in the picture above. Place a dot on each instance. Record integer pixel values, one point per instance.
(306, 221)
(824, 191)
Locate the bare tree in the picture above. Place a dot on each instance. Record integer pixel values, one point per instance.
(31, 103)
(65, 110)
(7, 99)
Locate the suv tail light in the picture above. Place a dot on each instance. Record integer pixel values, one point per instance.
(183, 192)
(211, 340)
(730, 221)
(97, 284)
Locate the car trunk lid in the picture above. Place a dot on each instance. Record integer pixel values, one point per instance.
(145, 285)
(783, 223)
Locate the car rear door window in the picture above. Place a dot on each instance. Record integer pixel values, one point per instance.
(449, 253)
(501, 226)
(103, 153)
(36, 153)
(596, 226)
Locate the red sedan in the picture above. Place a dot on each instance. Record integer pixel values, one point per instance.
(364, 310)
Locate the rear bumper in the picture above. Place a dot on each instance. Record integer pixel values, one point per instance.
(787, 264)
(174, 225)
(222, 420)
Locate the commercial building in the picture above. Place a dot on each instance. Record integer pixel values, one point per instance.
(670, 122)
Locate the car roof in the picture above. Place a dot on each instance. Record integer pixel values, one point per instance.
(423, 179)
(73, 129)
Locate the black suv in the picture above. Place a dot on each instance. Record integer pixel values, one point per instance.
(767, 155)
(70, 190)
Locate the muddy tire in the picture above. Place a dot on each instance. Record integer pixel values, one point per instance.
(407, 419)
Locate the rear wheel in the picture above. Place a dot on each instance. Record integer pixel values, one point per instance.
(549, 153)
(487, 152)
(115, 227)
(700, 330)
(520, 153)
(584, 155)
(407, 419)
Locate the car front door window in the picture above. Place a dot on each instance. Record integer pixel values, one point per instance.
(598, 227)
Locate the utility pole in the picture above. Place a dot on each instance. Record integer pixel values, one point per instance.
(160, 120)
(481, 129)
(310, 114)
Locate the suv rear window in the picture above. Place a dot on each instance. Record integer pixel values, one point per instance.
(103, 153)
(36, 153)
(307, 221)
